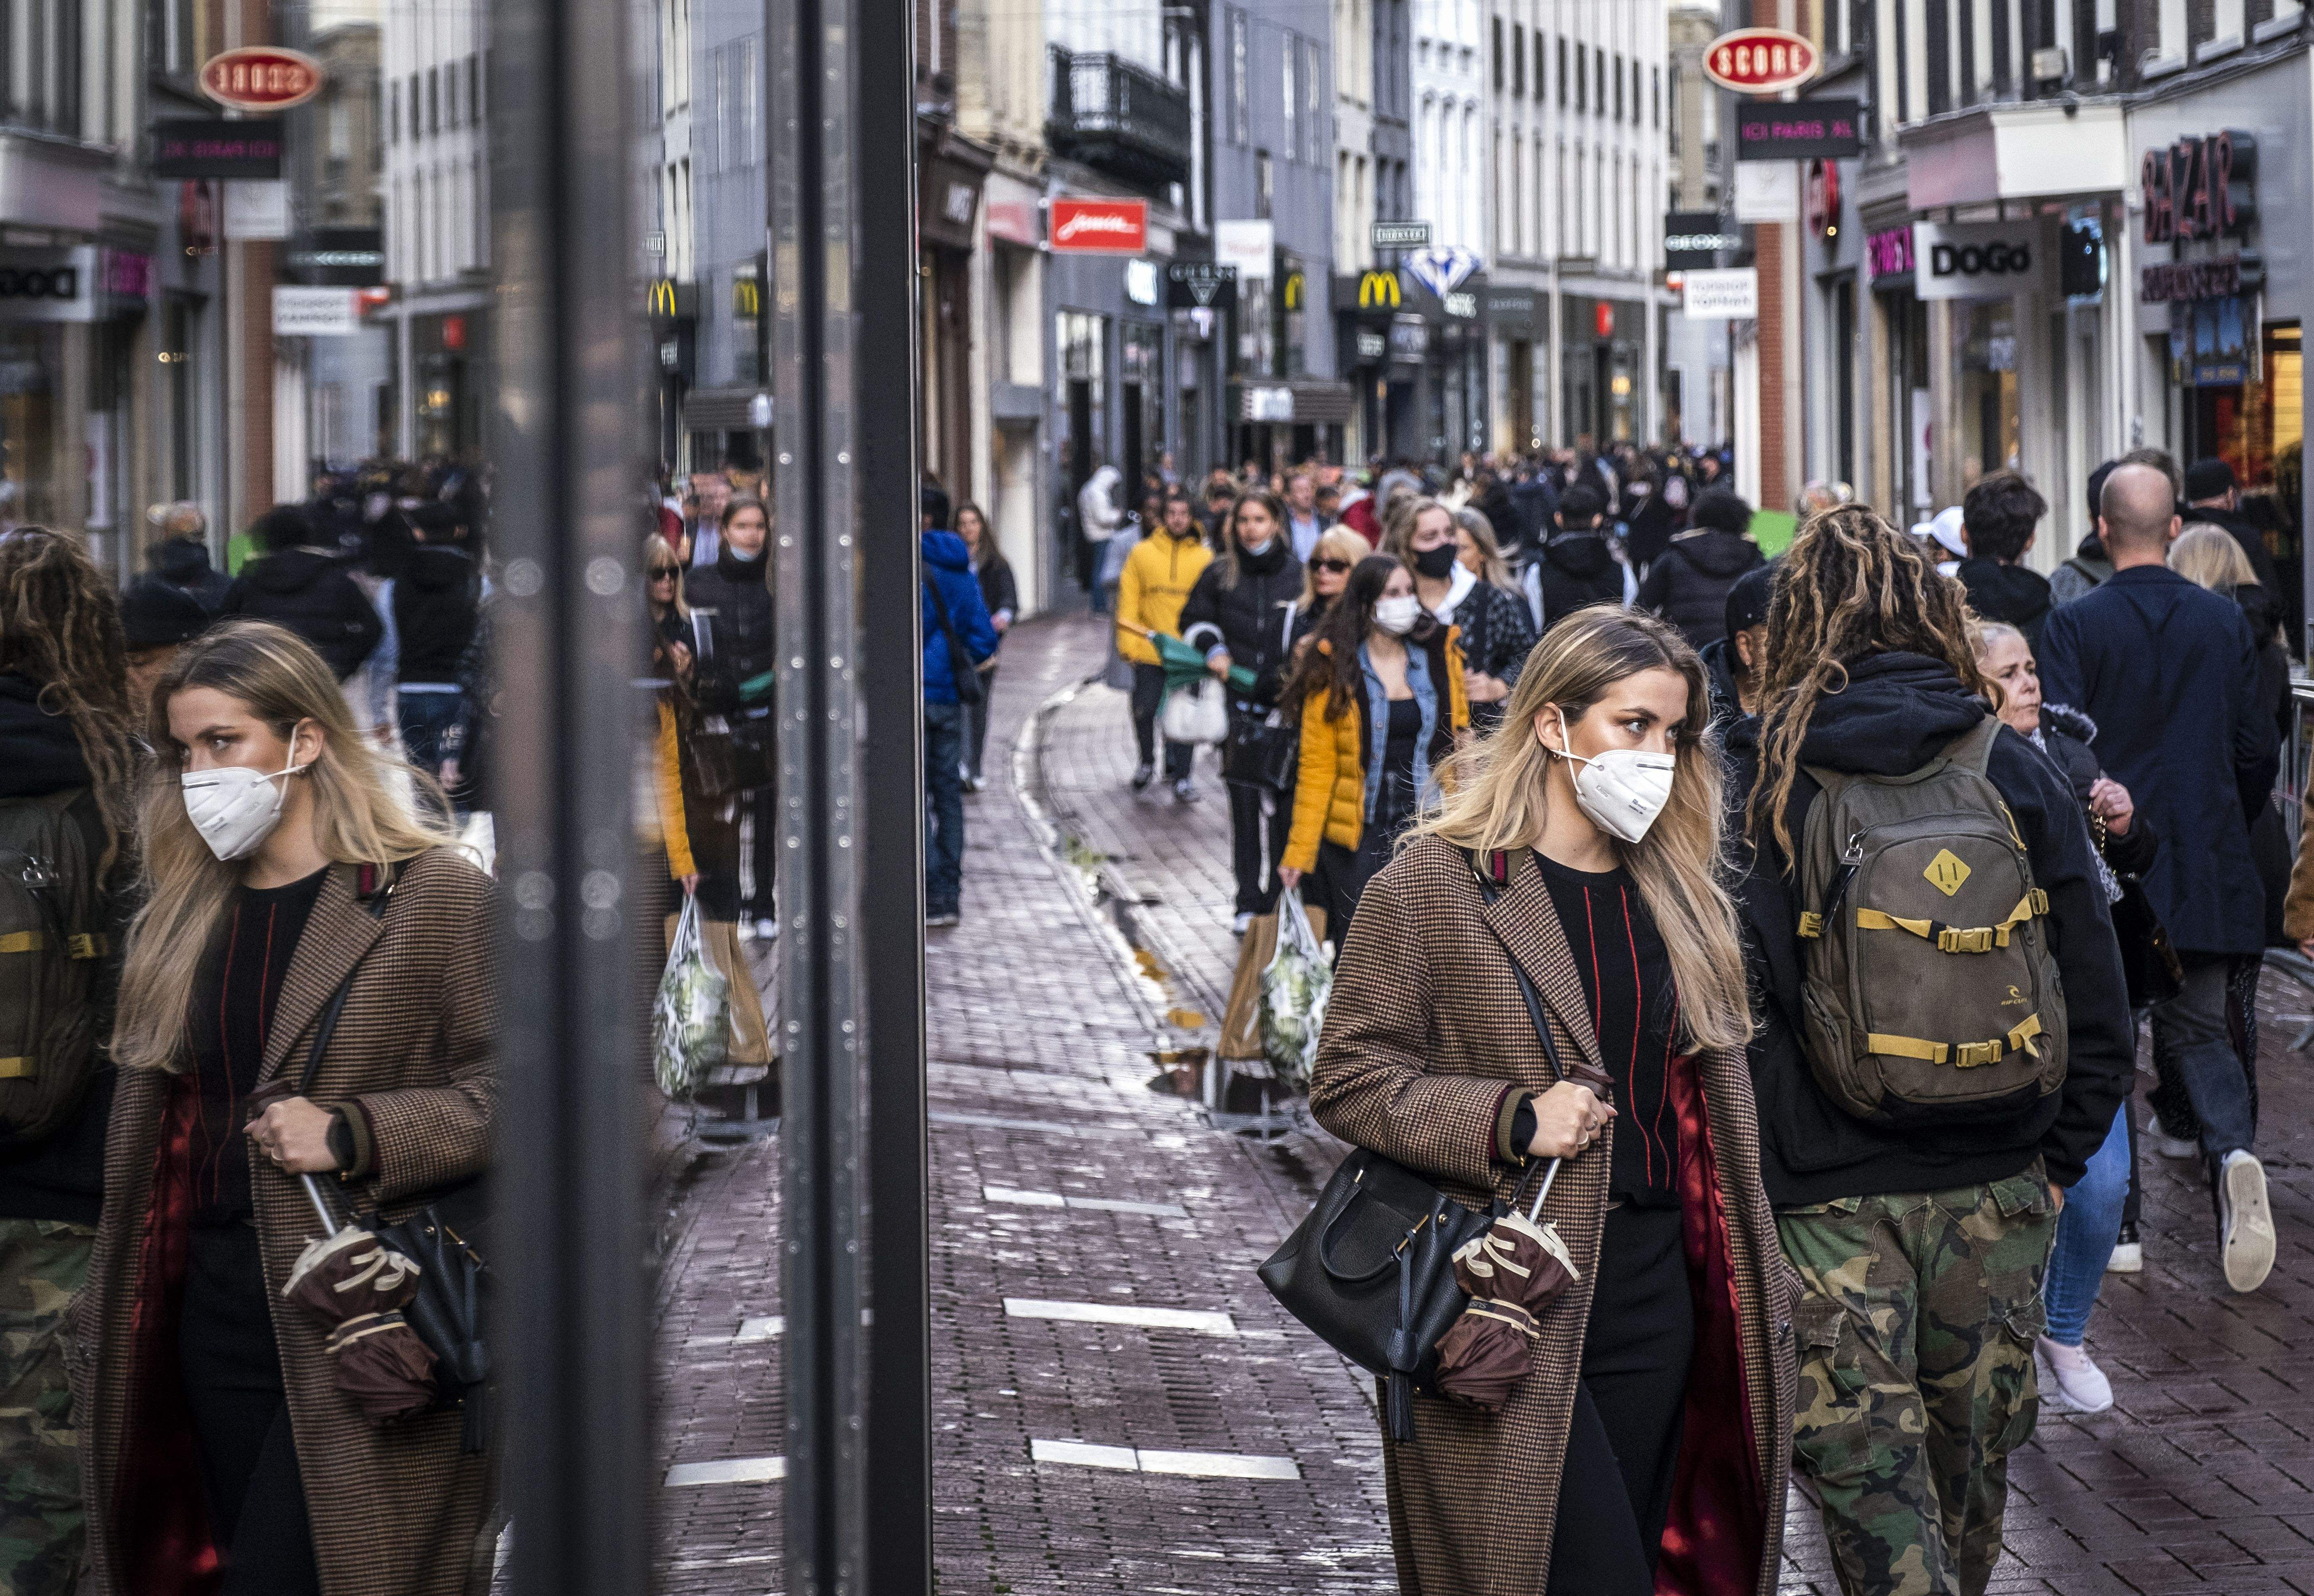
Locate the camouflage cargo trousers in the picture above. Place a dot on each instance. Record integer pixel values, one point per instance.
(1915, 1327)
(42, 1262)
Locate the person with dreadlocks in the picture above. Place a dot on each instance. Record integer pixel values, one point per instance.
(67, 760)
(1918, 1245)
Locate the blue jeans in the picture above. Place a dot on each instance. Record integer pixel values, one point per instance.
(943, 808)
(2191, 1026)
(424, 718)
(2086, 1232)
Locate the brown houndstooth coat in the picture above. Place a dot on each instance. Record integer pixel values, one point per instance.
(1425, 1034)
(396, 1510)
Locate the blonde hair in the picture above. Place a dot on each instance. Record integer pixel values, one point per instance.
(1342, 544)
(1398, 531)
(2208, 556)
(654, 546)
(1500, 789)
(1492, 567)
(358, 819)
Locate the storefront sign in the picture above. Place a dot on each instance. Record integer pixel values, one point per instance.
(1372, 347)
(1013, 221)
(1976, 260)
(1760, 60)
(127, 278)
(1729, 295)
(1250, 246)
(261, 77)
(48, 284)
(1141, 282)
(315, 312)
(1410, 339)
(1268, 404)
(1401, 235)
(2173, 281)
(257, 213)
(2200, 188)
(2216, 343)
(1798, 130)
(212, 147)
(1512, 311)
(1888, 252)
(1766, 191)
(1603, 319)
(1380, 291)
(1694, 238)
(1442, 270)
(1461, 306)
(340, 257)
(1200, 284)
(1099, 226)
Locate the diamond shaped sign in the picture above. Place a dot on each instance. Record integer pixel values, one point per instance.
(1444, 269)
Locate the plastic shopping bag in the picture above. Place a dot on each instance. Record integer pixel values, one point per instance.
(1293, 993)
(1197, 712)
(691, 1024)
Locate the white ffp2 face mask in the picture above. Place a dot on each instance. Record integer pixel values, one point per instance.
(236, 808)
(1620, 790)
(1398, 615)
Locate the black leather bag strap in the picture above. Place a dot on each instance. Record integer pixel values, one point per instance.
(371, 896)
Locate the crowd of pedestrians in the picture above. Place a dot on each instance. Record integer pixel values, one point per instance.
(1842, 882)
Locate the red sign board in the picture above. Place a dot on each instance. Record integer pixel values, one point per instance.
(259, 77)
(1099, 226)
(1602, 318)
(1760, 60)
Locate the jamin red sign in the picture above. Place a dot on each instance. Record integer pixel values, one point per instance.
(1099, 226)
(259, 77)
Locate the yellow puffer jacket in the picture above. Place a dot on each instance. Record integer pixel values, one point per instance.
(1329, 788)
(1156, 584)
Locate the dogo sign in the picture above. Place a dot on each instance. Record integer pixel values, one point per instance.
(1974, 261)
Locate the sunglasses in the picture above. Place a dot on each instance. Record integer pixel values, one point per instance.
(665, 573)
(1340, 568)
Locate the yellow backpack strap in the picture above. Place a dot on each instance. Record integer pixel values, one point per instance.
(1934, 1053)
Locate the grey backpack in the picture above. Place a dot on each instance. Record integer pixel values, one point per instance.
(1931, 997)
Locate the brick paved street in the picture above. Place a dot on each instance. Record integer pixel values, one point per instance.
(1048, 1030)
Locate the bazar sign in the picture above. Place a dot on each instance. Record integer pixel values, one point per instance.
(2199, 188)
(261, 77)
(1974, 261)
(1760, 60)
(1099, 226)
(2176, 281)
(1800, 130)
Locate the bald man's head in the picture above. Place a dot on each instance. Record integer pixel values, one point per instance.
(2139, 510)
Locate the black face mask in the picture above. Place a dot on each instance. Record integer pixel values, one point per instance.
(1434, 563)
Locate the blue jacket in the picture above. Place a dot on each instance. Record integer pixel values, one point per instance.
(2170, 674)
(947, 563)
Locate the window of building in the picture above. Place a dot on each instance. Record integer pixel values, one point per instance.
(1518, 59)
(1498, 55)
(433, 100)
(1313, 104)
(1619, 89)
(393, 110)
(1539, 77)
(1239, 79)
(1654, 96)
(474, 88)
(1581, 77)
(1599, 79)
(1289, 60)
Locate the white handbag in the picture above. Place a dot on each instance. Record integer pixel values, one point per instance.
(1195, 713)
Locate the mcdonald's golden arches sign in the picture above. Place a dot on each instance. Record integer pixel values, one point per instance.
(1379, 291)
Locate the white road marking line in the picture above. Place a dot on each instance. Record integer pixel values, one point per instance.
(1123, 1313)
(1006, 1194)
(1196, 1465)
(728, 1471)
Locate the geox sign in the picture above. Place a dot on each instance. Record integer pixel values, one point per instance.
(1200, 284)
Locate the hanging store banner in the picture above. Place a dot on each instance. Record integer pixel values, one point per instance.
(2216, 343)
(1249, 246)
(48, 284)
(1798, 130)
(1766, 191)
(257, 213)
(195, 148)
(1732, 295)
(1200, 284)
(1976, 260)
(1442, 270)
(261, 77)
(299, 312)
(1099, 226)
(1692, 239)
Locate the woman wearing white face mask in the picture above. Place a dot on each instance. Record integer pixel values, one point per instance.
(279, 867)
(1380, 697)
(1649, 1434)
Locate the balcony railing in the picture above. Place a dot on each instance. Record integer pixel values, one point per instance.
(1118, 117)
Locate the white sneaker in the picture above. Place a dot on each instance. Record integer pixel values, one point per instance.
(2070, 1381)
(2168, 1146)
(2128, 1258)
(1242, 923)
(745, 933)
(767, 930)
(2246, 1231)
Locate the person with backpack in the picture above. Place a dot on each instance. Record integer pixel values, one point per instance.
(958, 636)
(1577, 567)
(2170, 674)
(1688, 583)
(68, 767)
(2085, 566)
(1997, 523)
(1943, 1041)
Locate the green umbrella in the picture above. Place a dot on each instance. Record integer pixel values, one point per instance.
(1184, 663)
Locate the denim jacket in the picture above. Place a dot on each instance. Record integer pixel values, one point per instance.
(1426, 696)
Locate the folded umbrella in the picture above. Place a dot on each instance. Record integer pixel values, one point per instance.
(355, 1284)
(1513, 1270)
(1184, 663)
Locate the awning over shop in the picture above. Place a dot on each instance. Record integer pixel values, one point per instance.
(2017, 152)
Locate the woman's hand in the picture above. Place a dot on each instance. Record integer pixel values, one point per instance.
(1289, 877)
(690, 884)
(1567, 1119)
(1219, 664)
(1480, 688)
(2110, 801)
(294, 1136)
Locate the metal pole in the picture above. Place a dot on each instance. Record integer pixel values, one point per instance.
(843, 252)
(570, 415)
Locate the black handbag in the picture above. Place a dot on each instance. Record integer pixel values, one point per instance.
(441, 1238)
(1262, 750)
(1370, 1272)
(2149, 966)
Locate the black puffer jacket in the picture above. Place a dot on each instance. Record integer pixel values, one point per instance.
(1897, 712)
(2066, 738)
(1578, 568)
(735, 597)
(184, 562)
(1688, 583)
(434, 600)
(1250, 617)
(306, 591)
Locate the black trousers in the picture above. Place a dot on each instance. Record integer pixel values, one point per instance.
(1148, 696)
(1256, 866)
(232, 1372)
(1614, 1492)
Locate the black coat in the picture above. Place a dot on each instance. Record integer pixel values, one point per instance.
(998, 590)
(2012, 594)
(1578, 568)
(1250, 617)
(735, 597)
(1897, 712)
(2066, 738)
(434, 601)
(308, 592)
(1688, 583)
(183, 562)
(2170, 675)
(1497, 635)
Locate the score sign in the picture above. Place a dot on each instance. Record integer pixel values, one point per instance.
(260, 77)
(1760, 60)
